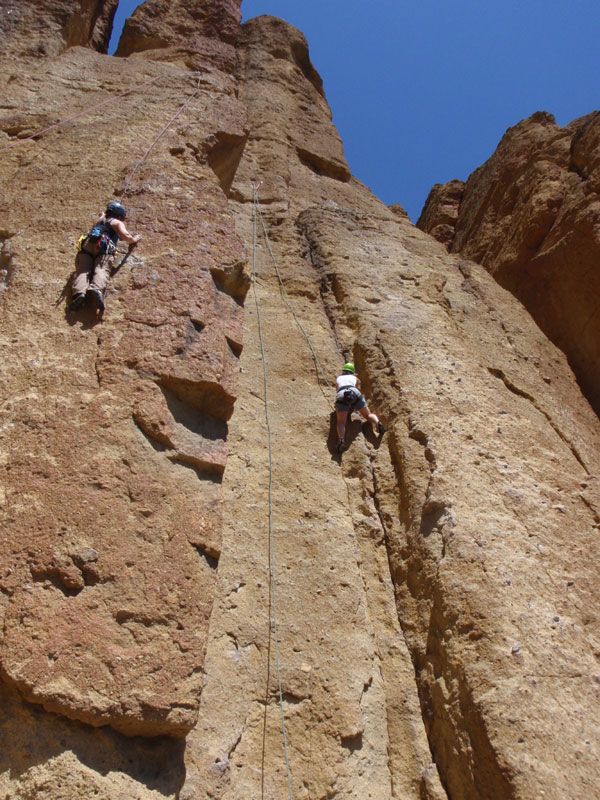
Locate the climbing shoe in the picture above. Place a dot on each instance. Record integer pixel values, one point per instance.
(76, 302)
(340, 446)
(380, 428)
(97, 295)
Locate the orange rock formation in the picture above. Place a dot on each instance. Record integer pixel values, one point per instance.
(435, 591)
(531, 216)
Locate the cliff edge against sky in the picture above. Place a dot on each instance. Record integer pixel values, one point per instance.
(435, 591)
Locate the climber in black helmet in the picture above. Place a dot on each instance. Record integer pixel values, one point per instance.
(348, 399)
(93, 261)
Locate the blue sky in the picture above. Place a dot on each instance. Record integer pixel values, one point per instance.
(422, 91)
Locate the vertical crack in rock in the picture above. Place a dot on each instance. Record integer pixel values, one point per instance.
(430, 517)
(434, 516)
(498, 373)
(326, 292)
(398, 667)
(430, 603)
(402, 699)
(431, 782)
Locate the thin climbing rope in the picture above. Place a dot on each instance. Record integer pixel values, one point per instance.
(271, 537)
(155, 140)
(283, 289)
(89, 109)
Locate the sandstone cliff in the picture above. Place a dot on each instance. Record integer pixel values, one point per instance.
(531, 216)
(440, 212)
(49, 27)
(435, 591)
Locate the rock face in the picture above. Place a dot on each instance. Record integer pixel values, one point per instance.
(40, 28)
(206, 30)
(115, 434)
(440, 213)
(531, 216)
(434, 591)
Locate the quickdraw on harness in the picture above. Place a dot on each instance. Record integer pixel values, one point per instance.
(98, 241)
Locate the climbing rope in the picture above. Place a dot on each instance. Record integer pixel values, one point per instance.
(163, 131)
(89, 109)
(271, 537)
(283, 289)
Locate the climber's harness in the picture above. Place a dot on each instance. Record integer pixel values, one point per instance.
(349, 396)
(99, 241)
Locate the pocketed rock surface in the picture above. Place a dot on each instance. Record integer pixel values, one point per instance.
(115, 427)
(435, 590)
(531, 216)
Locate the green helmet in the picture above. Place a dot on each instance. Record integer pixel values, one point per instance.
(349, 367)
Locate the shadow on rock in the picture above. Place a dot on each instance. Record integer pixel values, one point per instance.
(374, 439)
(32, 738)
(352, 430)
(89, 315)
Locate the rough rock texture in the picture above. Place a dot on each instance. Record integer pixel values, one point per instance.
(48, 27)
(352, 708)
(452, 518)
(114, 430)
(435, 591)
(157, 23)
(531, 216)
(440, 211)
(398, 210)
(200, 32)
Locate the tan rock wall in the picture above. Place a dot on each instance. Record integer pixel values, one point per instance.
(531, 215)
(351, 706)
(434, 591)
(473, 460)
(184, 24)
(114, 429)
(39, 28)
(446, 354)
(440, 212)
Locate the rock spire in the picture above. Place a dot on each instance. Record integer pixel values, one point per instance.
(435, 590)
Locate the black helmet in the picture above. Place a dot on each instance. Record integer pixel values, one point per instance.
(115, 209)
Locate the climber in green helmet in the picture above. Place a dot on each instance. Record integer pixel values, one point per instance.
(348, 399)
(94, 259)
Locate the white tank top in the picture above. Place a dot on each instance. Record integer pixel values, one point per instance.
(344, 381)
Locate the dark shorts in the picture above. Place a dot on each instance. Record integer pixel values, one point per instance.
(341, 404)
